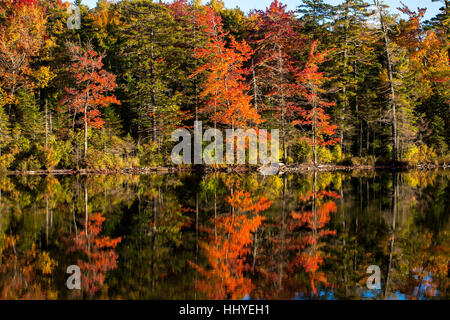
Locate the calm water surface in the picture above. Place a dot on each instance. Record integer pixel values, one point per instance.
(226, 236)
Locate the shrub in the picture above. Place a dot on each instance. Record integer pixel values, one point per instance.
(148, 155)
(29, 164)
(99, 160)
(19, 143)
(360, 161)
(421, 155)
(5, 161)
(337, 154)
(302, 152)
(64, 151)
(48, 156)
(121, 146)
(445, 159)
(324, 155)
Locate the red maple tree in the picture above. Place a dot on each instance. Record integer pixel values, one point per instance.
(92, 84)
(276, 43)
(311, 81)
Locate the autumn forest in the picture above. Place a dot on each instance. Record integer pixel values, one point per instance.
(353, 84)
(359, 92)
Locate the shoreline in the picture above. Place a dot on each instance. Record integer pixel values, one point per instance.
(209, 169)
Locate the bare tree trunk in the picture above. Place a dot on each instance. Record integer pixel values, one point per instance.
(360, 138)
(314, 124)
(255, 87)
(85, 132)
(358, 117)
(194, 48)
(368, 138)
(391, 84)
(86, 125)
(153, 97)
(283, 131)
(46, 122)
(154, 122)
(345, 106)
(314, 212)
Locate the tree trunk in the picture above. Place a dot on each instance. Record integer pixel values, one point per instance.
(152, 75)
(283, 131)
(255, 87)
(85, 133)
(391, 84)
(46, 122)
(345, 106)
(368, 139)
(314, 125)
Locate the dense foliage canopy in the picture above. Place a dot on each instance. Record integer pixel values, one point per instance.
(354, 83)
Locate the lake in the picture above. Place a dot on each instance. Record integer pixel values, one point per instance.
(226, 236)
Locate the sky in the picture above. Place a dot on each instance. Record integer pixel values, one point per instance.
(246, 5)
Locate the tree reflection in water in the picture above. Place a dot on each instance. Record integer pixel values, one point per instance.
(226, 236)
(228, 246)
(98, 254)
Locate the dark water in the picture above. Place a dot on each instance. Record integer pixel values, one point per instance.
(226, 236)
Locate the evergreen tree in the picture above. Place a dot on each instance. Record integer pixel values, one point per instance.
(315, 15)
(353, 42)
(384, 22)
(148, 35)
(28, 116)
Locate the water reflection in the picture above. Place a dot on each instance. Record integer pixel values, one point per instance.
(226, 236)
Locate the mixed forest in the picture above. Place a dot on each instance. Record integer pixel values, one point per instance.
(358, 83)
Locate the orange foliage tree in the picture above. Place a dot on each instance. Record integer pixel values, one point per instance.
(92, 85)
(225, 91)
(311, 81)
(428, 54)
(22, 36)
